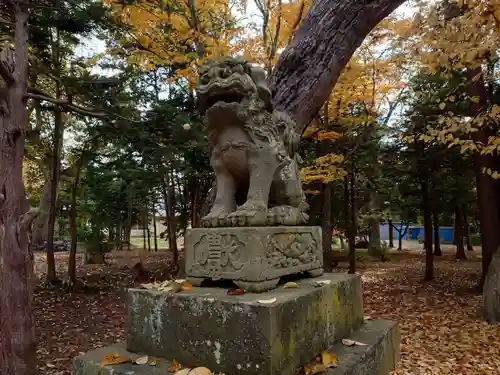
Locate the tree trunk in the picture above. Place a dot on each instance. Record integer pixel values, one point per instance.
(17, 322)
(309, 67)
(40, 226)
(458, 234)
(491, 290)
(427, 213)
(351, 222)
(391, 233)
(488, 189)
(467, 228)
(437, 239)
(155, 234)
(128, 227)
(144, 223)
(148, 231)
(55, 168)
(168, 193)
(73, 226)
(327, 228)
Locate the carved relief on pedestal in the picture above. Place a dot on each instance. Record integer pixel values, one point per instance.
(287, 249)
(216, 253)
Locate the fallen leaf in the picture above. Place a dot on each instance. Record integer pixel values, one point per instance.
(175, 367)
(152, 362)
(328, 359)
(291, 284)
(50, 365)
(148, 286)
(186, 286)
(314, 368)
(184, 371)
(200, 371)
(267, 301)
(180, 281)
(141, 360)
(235, 292)
(114, 359)
(348, 342)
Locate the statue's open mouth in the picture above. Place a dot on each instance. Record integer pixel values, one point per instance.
(226, 98)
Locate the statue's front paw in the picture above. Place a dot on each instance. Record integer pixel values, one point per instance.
(252, 213)
(214, 219)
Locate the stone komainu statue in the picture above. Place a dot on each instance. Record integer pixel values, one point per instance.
(254, 149)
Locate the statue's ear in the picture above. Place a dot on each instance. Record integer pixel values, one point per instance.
(259, 77)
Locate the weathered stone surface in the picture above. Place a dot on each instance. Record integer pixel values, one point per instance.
(239, 334)
(378, 357)
(253, 257)
(254, 149)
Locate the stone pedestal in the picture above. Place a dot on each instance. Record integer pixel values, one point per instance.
(272, 333)
(254, 258)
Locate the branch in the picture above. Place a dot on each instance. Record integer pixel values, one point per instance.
(37, 94)
(66, 104)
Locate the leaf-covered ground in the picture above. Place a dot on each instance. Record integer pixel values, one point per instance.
(441, 327)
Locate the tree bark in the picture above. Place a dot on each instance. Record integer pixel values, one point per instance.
(351, 214)
(488, 189)
(168, 193)
(491, 290)
(467, 228)
(17, 322)
(155, 234)
(148, 231)
(391, 233)
(55, 168)
(427, 213)
(72, 224)
(309, 67)
(40, 225)
(458, 234)
(437, 239)
(327, 228)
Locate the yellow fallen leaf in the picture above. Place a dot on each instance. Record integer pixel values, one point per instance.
(186, 286)
(141, 360)
(267, 301)
(200, 371)
(152, 362)
(114, 359)
(348, 342)
(176, 367)
(184, 371)
(328, 359)
(291, 284)
(314, 368)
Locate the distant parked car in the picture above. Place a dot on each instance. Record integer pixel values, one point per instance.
(60, 244)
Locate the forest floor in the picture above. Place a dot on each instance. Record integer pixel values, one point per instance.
(442, 331)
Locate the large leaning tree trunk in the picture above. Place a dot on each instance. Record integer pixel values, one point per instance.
(310, 66)
(17, 324)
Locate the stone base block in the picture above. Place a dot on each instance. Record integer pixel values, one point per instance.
(378, 357)
(254, 258)
(241, 334)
